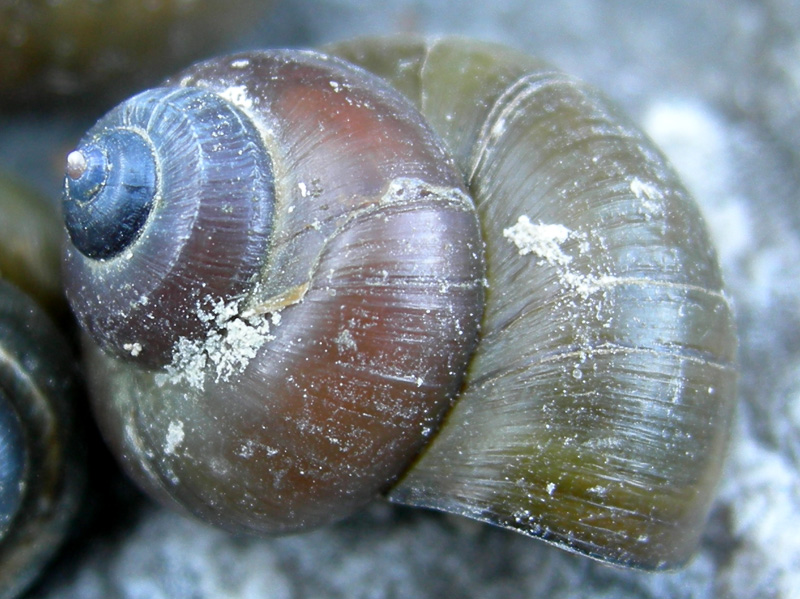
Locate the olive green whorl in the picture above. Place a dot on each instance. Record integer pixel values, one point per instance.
(597, 410)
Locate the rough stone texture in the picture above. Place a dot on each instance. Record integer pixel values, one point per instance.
(717, 85)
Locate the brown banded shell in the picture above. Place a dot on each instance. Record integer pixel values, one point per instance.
(344, 313)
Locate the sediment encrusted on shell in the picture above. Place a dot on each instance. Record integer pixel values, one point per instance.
(226, 350)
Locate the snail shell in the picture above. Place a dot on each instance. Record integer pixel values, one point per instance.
(41, 462)
(573, 315)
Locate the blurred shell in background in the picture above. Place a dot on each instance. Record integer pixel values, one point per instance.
(30, 243)
(56, 49)
(42, 456)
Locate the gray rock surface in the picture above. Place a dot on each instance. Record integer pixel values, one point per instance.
(717, 85)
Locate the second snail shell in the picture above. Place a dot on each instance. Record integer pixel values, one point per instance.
(42, 457)
(507, 309)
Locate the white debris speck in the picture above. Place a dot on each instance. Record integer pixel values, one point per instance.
(599, 490)
(499, 128)
(551, 488)
(644, 190)
(237, 94)
(345, 341)
(303, 189)
(546, 243)
(175, 437)
(335, 85)
(188, 365)
(231, 342)
(240, 63)
(246, 449)
(648, 195)
(585, 285)
(541, 240)
(133, 348)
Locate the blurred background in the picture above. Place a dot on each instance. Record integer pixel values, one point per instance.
(717, 86)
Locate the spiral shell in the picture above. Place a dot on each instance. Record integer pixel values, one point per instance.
(119, 181)
(595, 410)
(42, 470)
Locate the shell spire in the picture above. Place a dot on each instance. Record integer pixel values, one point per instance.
(110, 189)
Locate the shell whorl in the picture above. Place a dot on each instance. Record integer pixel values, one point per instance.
(100, 223)
(42, 473)
(334, 368)
(42, 470)
(596, 411)
(143, 234)
(13, 462)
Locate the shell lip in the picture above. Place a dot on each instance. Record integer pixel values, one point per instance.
(109, 192)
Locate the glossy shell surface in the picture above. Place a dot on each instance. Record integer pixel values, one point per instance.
(597, 408)
(299, 390)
